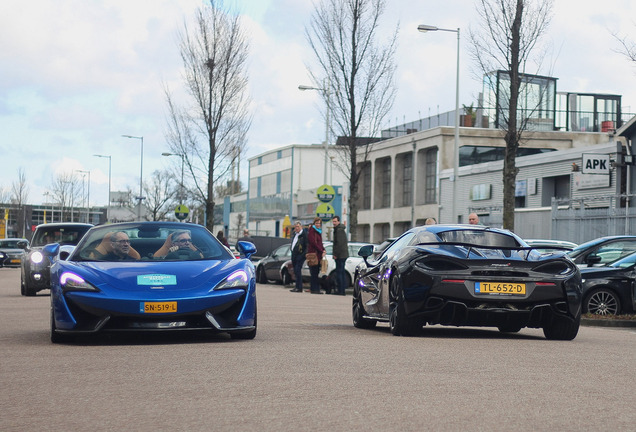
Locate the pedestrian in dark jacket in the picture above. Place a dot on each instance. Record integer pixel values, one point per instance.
(298, 251)
(314, 244)
(340, 253)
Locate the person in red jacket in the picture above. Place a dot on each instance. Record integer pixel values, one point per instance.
(314, 244)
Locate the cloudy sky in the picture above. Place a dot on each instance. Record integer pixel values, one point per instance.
(76, 75)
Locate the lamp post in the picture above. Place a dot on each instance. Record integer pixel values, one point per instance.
(182, 162)
(87, 203)
(326, 91)
(427, 28)
(46, 195)
(109, 177)
(141, 172)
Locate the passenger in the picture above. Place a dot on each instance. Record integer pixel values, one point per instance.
(120, 248)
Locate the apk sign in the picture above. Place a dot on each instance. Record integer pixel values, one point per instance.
(596, 163)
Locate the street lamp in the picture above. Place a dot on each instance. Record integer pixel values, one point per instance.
(109, 177)
(141, 172)
(182, 161)
(326, 91)
(427, 28)
(88, 195)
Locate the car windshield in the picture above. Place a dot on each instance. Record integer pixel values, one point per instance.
(64, 235)
(9, 244)
(150, 241)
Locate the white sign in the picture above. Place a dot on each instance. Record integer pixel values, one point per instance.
(596, 163)
(590, 181)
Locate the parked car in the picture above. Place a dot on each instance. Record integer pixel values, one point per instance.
(12, 253)
(272, 266)
(602, 251)
(328, 278)
(199, 285)
(35, 268)
(609, 290)
(467, 275)
(546, 246)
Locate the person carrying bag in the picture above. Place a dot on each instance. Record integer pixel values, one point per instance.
(315, 252)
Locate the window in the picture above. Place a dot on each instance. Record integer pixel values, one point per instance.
(407, 179)
(430, 189)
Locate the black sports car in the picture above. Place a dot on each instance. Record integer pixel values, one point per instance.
(35, 268)
(465, 275)
(611, 289)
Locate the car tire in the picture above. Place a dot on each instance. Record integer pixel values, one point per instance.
(509, 329)
(261, 277)
(398, 321)
(602, 302)
(57, 337)
(562, 328)
(357, 311)
(27, 290)
(249, 334)
(285, 277)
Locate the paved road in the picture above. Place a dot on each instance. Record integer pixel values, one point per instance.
(309, 369)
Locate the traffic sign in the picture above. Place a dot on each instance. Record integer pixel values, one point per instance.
(181, 212)
(325, 211)
(326, 193)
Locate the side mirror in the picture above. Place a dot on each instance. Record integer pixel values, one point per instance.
(365, 252)
(246, 248)
(51, 250)
(23, 244)
(592, 259)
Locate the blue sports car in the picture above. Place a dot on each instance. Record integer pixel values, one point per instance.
(149, 276)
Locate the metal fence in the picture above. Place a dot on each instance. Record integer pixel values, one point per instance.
(576, 220)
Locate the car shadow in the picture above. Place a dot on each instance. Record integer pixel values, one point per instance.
(463, 333)
(148, 338)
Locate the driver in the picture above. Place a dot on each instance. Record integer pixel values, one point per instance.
(182, 246)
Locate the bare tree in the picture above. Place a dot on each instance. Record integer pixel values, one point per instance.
(159, 193)
(19, 197)
(209, 131)
(627, 47)
(4, 195)
(66, 190)
(356, 75)
(510, 31)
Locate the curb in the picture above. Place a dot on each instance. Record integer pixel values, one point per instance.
(608, 323)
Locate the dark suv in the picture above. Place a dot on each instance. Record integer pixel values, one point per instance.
(35, 266)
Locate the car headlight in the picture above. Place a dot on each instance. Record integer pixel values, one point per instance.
(72, 282)
(37, 257)
(238, 279)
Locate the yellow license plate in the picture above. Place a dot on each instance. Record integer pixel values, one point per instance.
(500, 288)
(159, 307)
(15, 261)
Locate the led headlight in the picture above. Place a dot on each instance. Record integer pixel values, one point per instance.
(37, 257)
(72, 282)
(238, 279)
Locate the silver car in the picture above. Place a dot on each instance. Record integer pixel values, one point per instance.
(12, 253)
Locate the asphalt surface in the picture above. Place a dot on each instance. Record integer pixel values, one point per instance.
(309, 370)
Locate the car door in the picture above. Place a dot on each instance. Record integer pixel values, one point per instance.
(278, 257)
(374, 282)
(609, 252)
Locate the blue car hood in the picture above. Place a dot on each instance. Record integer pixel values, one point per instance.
(140, 274)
